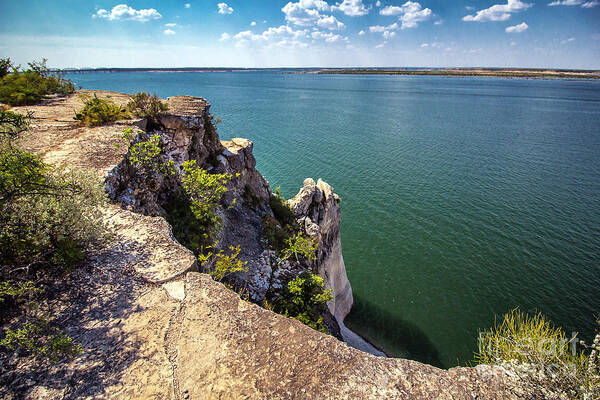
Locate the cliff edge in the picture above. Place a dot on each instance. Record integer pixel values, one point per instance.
(152, 326)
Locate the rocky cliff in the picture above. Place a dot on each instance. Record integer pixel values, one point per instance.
(153, 327)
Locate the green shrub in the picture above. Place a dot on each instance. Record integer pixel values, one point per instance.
(30, 86)
(98, 111)
(304, 299)
(282, 211)
(144, 105)
(39, 338)
(146, 153)
(204, 190)
(301, 247)
(276, 235)
(542, 354)
(220, 265)
(13, 124)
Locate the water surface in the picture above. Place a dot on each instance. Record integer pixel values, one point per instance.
(462, 198)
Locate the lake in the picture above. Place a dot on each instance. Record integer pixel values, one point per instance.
(462, 198)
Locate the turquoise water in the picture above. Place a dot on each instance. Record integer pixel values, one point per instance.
(462, 197)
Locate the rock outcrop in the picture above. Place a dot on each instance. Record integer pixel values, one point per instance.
(153, 327)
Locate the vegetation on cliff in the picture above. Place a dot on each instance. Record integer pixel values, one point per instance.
(50, 219)
(28, 86)
(543, 355)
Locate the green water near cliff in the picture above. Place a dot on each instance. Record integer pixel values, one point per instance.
(462, 197)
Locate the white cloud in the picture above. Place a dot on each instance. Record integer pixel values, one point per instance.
(590, 4)
(253, 23)
(572, 39)
(517, 28)
(304, 12)
(224, 36)
(169, 32)
(361, 33)
(187, 5)
(499, 12)
(388, 35)
(381, 29)
(565, 3)
(378, 3)
(224, 8)
(277, 37)
(513, 43)
(439, 22)
(423, 45)
(327, 37)
(124, 12)
(353, 8)
(171, 25)
(379, 46)
(330, 23)
(410, 13)
(469, 8)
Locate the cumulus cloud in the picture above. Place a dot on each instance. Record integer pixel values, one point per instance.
(124, 12)
(330, 23)
(361, 33)
(498, 12)
(304, 12)
(353, 8)
(224, 36)
(273, 36)
(423, 45)
(253, 23)
(379, 46)
(378, 3)
(171, 25)
(410, 13)
(187, 5)
(380, 28)
(517, 28)
(224, 8)
(590, 4)
(439, 22)
(168, 32)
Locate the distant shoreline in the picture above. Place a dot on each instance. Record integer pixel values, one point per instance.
(484, 72)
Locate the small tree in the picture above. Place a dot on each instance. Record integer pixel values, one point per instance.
(98, 111)
(301, 247)
(144, 105)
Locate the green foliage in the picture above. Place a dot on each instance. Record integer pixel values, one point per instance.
(147, 154)
(17, 289)
(301, 247)
(304, 299)
(144, 105)
(282, 211)
(40, 339)
(204, 190)
(98, 111)
(5, 67)
(276, 235)
(47, 215)
(12, 124)
(30, 86)
(186, 229)
(220, 265)
(536, 351)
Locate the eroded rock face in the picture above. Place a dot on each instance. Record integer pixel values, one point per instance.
(317, 210)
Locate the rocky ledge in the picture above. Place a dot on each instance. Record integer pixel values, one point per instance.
(153, 327)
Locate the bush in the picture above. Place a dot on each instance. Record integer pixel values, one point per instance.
(282, 211)
(204, 190)
(220, 265)
(300, 247)
(144, 105)
(542, 355)
(30, 86)
(276, 235)
(98, 111)
(12, 124)
(304, 299)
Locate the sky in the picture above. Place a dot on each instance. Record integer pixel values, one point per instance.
(303, 33)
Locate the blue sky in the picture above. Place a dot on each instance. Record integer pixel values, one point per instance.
(268, 33)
